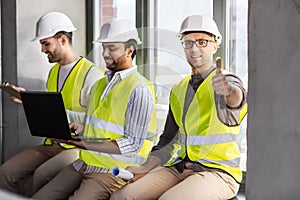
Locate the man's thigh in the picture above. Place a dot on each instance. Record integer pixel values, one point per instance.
(151, 186)
(204, 186)
(20, 167)
(29, 159)
(96, 186)
(62, 186)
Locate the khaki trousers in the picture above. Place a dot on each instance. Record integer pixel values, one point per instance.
(76, 185)
(16, 173)
(168, 184)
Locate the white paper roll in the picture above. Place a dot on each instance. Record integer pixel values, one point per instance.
(121, 173)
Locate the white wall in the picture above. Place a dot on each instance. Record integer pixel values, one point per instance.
(274, 96)
(32, 64)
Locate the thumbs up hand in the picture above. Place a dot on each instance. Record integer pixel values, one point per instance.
(220, 84)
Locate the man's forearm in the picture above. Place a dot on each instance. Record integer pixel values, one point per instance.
(152, 162)
(235, 96)
(104, 147)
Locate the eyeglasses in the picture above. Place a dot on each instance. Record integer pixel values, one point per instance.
(199, 43)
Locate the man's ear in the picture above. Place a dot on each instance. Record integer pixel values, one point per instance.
(64, 39)
(215, 48)
(130, 50)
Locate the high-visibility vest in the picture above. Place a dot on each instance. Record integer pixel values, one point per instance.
(72, 87)
(106, 118)
(203, 137)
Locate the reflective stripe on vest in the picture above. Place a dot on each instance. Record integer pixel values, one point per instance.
(203, 136)
(234, 163)
(128, 158)
(206, 139)
(118, 129)
(106, 118)
(102, 124)
(110, 127)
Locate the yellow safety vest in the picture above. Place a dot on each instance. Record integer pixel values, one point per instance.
(106, 118)
(73, 84)
(72, 87)
(203, 137)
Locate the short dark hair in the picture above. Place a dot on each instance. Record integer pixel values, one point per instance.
(67, 34)
(133, 43)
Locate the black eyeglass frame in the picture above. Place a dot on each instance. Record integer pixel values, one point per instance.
(198, 42)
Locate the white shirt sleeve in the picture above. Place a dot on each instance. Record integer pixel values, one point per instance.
(92, 76)
(75, 117)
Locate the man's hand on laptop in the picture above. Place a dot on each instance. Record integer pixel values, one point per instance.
(76, 127)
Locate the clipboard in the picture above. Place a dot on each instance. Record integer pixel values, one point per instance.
(6, 87)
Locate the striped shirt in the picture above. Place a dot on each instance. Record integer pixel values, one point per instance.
(138, 116)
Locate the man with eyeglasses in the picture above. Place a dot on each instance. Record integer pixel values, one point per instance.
(197, 149)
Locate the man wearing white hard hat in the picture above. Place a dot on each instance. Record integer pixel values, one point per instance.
(73, 76)
(197, 149)
(121, 109)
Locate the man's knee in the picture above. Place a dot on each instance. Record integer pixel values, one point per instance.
(5, 173)
(115, 196)
(7, 179)
(123, 194)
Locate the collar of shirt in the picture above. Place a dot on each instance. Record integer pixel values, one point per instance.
(113, 80)
(122, 74)
(197, 79)
(64, 71)
(205, 74)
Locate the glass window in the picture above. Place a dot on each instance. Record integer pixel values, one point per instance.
(238, 56)
(104, 11)
(168, 63)
(238, 44)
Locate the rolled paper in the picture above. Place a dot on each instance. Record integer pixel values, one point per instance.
(121, 173)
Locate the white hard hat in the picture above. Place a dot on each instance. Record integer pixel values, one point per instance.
(195, 23)
(118, 30)
(51, 23)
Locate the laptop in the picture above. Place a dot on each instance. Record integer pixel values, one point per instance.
(46, 116)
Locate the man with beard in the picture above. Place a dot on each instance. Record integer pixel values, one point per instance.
(197, 149)
(121, 108)
(73, 76)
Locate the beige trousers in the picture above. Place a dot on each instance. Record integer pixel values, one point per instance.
(16, 173)
(168, 184)
(77, 185)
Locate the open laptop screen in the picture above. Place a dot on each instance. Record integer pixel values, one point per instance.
(45, 114)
